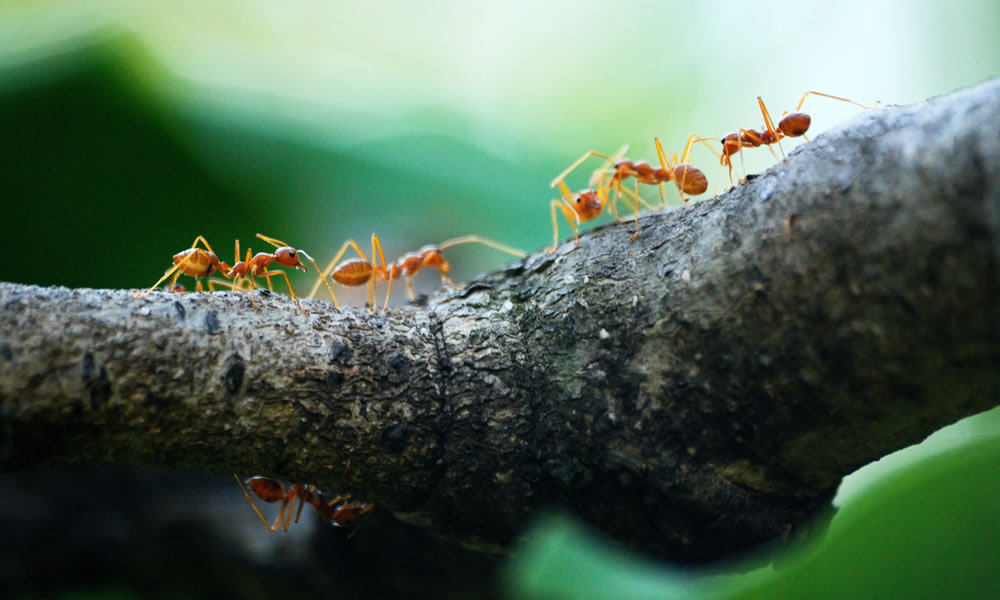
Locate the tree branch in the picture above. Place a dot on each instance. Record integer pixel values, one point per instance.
(695, 392)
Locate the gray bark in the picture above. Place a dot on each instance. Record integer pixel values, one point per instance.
(695, 392)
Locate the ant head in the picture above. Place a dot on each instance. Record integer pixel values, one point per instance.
(588, 204)
(289, 257)
(731, 144)
(430, 256)
(436, 259)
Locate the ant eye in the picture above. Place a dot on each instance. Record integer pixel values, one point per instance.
(579, 199)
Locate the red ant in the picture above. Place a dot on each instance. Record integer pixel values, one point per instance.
(589, 204)
(285, 256)
(794, 124)
(339, 511)
(361, 271)
(200, 263)
(195, 262)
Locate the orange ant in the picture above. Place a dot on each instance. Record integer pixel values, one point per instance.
(794, 124)
(285, 256)
(195, 262)
(339, 511)
(589, 204)
(361, 271)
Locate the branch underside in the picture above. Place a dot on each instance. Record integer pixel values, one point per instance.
(695, 392)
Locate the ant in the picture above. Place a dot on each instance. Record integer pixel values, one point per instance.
(361, 271)
(201, 263)
(794, 124)
(285, 256)
(195, 262)
(339, 511)
(589, 204)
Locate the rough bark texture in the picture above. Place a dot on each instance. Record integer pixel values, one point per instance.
(695, 392)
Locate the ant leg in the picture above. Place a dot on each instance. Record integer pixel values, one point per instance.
(288, 502)
(807, 94)
(204, 242)
(288, 283)
(175, 271)
(252, 503)
(445, 279)
(475, 239)
(687, 148)
(722, 160)
(568, 211)
(597, 182)
(270, 240)
(613, 204)
(304, 496)
(323, 279)
(668, 166)
(576, 164)
(756, 139)
(333, 263)
(597, 177)
(298, 513)
(684, 160)
(376, 272)
(769, 123)
(388, 291)
(571, 218)
(176, 268)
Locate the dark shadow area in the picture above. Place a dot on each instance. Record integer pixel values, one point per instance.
(160, 533)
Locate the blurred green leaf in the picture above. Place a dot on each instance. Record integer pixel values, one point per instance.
(928, 529)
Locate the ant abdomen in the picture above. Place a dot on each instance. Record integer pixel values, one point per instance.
(795, 124)
(691, 179)
(352, 272)
(266, 488)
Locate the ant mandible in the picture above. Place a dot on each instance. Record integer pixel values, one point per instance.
(361, 271)
(794, 124)
(285, 256)
(194, 262)
(339, 511)
(588, 204)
